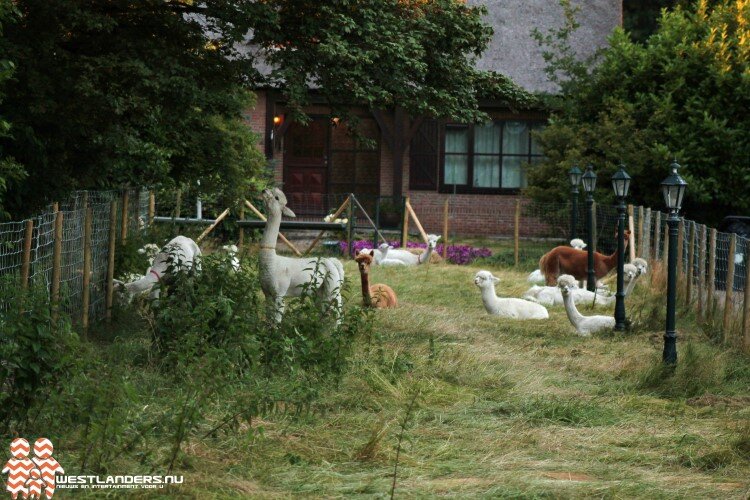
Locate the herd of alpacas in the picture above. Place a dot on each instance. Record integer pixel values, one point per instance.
(559, 281)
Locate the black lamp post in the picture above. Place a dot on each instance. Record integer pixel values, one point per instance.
(673, 189)
(621, 185)
(575, 179)
(589, 184)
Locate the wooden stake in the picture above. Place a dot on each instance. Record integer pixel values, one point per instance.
(517, 222)
(646, 240)
(151, 208)
(56, 265)
(335, 216)
(691, 264)
(631, 238)
(445, 228)
(702, 272)
(28, 236)
(281, 236)
(350, 230)
(746, 310)
(640, 238)
(729, 287)
(86, 270)
(124, 218)
(111, 258)
(416, 221)
(710, 303)
(405, 225)
(657, 235)
(210, 228)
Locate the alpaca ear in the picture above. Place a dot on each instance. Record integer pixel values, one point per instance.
(495, 279)
(372, 253)
(288, 212)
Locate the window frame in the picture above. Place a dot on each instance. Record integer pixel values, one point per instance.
(469, 187)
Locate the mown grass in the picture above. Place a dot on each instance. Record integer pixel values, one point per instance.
(503, 408)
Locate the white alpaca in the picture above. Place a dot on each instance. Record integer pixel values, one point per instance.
(551, 296)
(641, 265)
(578, 243)
(385, 259)
(537, 278)
(288, 277)
(632, 273)
(180, 254)
(506, 307)
(584, 325)
(411, 259)
(232, 251)
(149, 250)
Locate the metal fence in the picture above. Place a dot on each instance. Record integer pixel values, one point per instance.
(38, 235)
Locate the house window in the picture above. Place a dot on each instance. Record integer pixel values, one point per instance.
(488, 158)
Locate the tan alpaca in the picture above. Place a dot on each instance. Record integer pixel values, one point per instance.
(379, 296)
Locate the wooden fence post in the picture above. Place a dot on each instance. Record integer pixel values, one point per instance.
(56, 265)
(445, 228)
(516, 256)
(28, 236)
(124, 218)
(405, 225)
(680, 245)
(691, 263)
(746, 310)
(702, 273)
(729, 287)
(151, 208)
(710, 303)
(85, 296)
(414, 217)
(111, 258)
(640, 231)
(657, 235)
(631, 238)
(646, 246)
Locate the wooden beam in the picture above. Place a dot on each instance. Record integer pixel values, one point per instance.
(385, 130)
(729, 289)
(334, 217)
(413, 128)
(416, 221)
(212, 226)
(263, 218)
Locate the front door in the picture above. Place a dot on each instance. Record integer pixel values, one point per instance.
(305, 167)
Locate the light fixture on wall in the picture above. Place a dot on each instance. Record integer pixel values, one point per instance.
(335, 121)
(277, 121)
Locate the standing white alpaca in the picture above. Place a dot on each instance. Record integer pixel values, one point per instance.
(584, 325)
(180, 254)
(536, 277)
(410, 259)
(506, 307)
(286, 276)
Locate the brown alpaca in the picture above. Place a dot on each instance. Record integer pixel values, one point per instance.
(566, 260)
(379, 296)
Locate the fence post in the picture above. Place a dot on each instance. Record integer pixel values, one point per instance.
(640, 231)
(691, 264)
(646, 238)
(124, 218)
(710, 303)
(241, 239)
(515, 232)
(445, 228)
(350, 228)
(680, 245)
(111, 258)
(631, 239)
(56, 265)
(746, 311)
(151, 208)
(26, 259)
(85, 300)
(702, 272)
(405, 225)
(729, 287)
(657, 235)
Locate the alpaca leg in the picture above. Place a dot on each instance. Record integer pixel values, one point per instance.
(279, 306)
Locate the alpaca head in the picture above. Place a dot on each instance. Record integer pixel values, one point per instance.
(230, 249)
(566, 283)
(630, 271)
(149, 250)
(432, 240)
(577, 243)
(485, 279)
(275, 203)
(364, 259)
(384, 247)
(641, 265)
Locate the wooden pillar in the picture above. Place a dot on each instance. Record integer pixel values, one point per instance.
(691, 264)
(405, 225)
(85, 301)
(28, 236)
(729, 289)
(151, 208)
(445, 228)
(701, 272)
(124, 218)
(640, 232)
(516, 255)
(56, 266)
(710, 303)
(111, 258)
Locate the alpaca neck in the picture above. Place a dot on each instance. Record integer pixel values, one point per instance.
(425, 256)
(611, 260)
(366, 298)
(489, 297)
(630, 286)
(141, 285)
(570, 308)
(270, 233)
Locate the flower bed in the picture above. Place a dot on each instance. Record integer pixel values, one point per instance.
(457, 254)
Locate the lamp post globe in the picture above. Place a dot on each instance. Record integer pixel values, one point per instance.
(589, 185)
(574, 175)
(621, 186)
(673, 188)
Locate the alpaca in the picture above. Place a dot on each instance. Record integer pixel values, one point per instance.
(566, 260)
(180, 254)
(385, 260)
(506, 308)
(578, 243)
(231, 252)
(379, 296)
(409, 258)
(290, 277)
(641, 265)
(584, 325)
(537, 278)
(632, 273)
(435, 257)
(551, 296)
(149, 250)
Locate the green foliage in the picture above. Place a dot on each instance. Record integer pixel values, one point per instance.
(681, 94)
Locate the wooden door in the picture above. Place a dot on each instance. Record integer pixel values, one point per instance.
(305, 167)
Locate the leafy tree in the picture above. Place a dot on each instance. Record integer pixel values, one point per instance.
(684, 94)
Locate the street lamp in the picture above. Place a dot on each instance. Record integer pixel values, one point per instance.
(589, 184)
(575, 179)
(673, 189)
(621, 185)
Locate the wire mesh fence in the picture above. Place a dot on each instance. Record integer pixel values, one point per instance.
(27, 248)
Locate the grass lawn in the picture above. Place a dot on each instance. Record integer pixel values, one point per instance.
(501, 408)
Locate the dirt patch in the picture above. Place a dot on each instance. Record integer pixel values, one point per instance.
(569, 476)
(714, 400)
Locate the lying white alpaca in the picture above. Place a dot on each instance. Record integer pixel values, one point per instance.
(551, 296)
(411, 259)
(537, 278)
(385, 259)
(149, 250)
(231, 251)
(180, 254)
(286, 276)
(578, 243)
(506, 308)
(584, 325)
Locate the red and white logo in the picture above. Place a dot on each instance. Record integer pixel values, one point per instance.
(31, 477)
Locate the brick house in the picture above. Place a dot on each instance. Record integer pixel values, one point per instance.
(479, 166)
